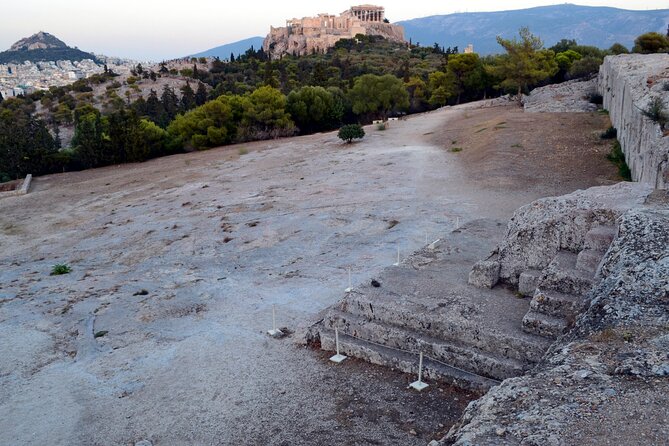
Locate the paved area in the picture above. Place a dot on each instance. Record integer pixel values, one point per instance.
(158, 332)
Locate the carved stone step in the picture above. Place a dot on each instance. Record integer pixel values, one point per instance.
(493, 365)
(404, 362)
(599, 238)
(544, 325)
(563, 276)
(484, 335)
(557, 304)
(589, 260)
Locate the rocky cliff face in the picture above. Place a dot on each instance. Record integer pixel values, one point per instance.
(282, 41)
(611, 367)
(628, 83)
(39, 41)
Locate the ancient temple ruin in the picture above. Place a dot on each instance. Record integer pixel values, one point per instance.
(316, 34)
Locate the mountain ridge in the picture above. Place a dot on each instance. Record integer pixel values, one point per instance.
(600, 26)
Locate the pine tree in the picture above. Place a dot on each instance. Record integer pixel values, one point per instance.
(154, 108)
(232, 57)
(170, 103)
(187, 97)
(200, 94)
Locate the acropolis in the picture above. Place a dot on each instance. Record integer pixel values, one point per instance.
(316, 34)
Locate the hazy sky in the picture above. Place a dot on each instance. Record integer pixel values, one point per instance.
(163, 29)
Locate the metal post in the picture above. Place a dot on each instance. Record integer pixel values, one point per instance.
(274, 332)
(350, 286)
(338, 358)
(419, 385)
(398, 257)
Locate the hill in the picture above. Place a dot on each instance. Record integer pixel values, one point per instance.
(42, 47)
(236, 48)
(598, 26)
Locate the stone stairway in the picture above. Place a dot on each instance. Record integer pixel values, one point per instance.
(561, 288)
(470, 336)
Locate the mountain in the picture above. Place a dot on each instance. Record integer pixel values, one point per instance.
(236, 48)
(42, 47)
(598, 26)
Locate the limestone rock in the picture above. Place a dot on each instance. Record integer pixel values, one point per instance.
(613, 360)
(484, 274)
(539, 230)
(570, 96)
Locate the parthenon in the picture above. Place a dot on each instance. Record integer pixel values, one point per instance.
(317, 34)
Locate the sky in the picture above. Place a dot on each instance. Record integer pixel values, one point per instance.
(164, 29)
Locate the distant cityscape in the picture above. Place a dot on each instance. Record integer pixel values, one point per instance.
(28, 77)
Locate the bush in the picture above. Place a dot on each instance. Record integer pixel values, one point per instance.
(595, 98)
(617, 157)
(656, 111)
(350, 132)
(60, 268)
(609, 133)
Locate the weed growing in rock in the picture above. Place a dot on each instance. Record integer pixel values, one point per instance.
(609, 133)
(381, 126)
(455, 149)
(59, 269)
(656, 111)
(617, 157)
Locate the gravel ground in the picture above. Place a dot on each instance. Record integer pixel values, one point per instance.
(158, 332)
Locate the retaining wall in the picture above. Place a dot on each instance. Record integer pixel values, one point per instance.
(628, 83)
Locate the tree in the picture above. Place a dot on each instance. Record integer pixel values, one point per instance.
(618, 48)
(187, 97)
(350, 132)
(209, 125)
(652, 42)
(265, 116)
(468, 73)
(170, 103)
(313, 109)
(525, 62)
(200, 94)
(378, 95)
(442, 87)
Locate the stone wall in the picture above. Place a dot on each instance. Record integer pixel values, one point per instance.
(628, 83)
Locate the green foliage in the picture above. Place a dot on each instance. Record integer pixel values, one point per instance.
(609, 133)
(525, 62)
(585, 67)
(60, 269)
(656, 111)
(651, 43)
(378, 96)
(617, 157)
(467, 74)
(25, 143)
(314, 109)
(618, 48)
(350, 132)
(209, 125)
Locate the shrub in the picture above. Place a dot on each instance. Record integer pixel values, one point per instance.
(595, 98)
(609, 133)
(350, 132)
(656, 111)
(60, 268)
(617, 157)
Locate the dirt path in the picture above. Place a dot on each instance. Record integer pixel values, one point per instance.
(180, 260)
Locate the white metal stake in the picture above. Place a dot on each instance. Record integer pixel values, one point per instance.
(338, 358)
(350, 286)
(398, 257)
(457, 222)
(419, 385)
(274, 332)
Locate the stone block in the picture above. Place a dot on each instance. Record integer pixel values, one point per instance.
(528, 282)
(484, 274)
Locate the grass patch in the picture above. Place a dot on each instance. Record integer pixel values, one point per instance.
(243, 151)
(517, 146)
(455, 149)
(499, 127)
(656, 111)
(617, 157)
(60, 269)
(99, 334)
(481, 130)
(381, 126)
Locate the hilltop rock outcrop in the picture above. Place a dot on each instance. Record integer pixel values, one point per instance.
(613, 365)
